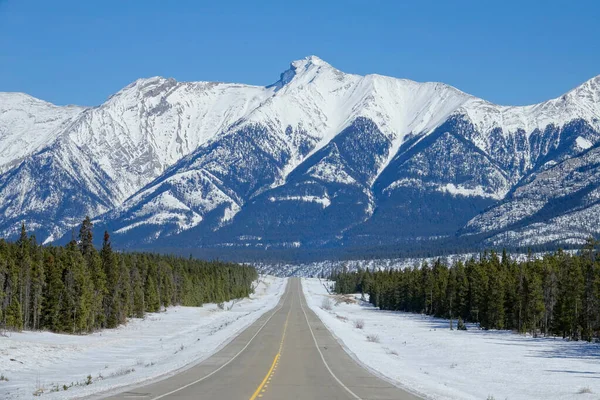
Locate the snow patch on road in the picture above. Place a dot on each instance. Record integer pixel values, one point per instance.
(422, 354)
(142, 350)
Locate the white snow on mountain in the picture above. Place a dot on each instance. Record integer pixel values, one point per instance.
(28, 124)
(118, 156)
(152, 123)
(323, 201)
(583, 143)
(553, 184)
(321, 100)
(459, 190)
(581, 102)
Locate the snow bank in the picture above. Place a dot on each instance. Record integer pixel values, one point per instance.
(422, 354)
(142, 350)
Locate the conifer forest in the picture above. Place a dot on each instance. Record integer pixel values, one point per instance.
(558, 294)
(78, 289)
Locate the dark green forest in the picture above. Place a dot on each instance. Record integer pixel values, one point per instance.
(558, 294)
(78, 289)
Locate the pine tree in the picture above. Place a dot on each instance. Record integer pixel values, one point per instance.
(478, 285)
(53, 301)
(139, 304)
(125, 293)
(569, 299)
(550, 289)
(462, 291)
(24, 266)
(112, 298)
(534, 302)
(151, 295)
(589, 299)
(76, 289)
(14, 319)
(86, 239)
(557, 294)
(494, 305)
(37, 288)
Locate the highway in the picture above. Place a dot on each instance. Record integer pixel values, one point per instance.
(286, 354)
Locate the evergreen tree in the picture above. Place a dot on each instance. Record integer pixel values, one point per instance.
(14, 319)
(494, 301)
(534, 302)
(53, 301)
(37, 288)
(77, 289)
(151, 295)
(139, 305)
(556, 294)
(24, 279)
(86, 239)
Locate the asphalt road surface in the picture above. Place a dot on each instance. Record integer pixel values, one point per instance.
(286, 354)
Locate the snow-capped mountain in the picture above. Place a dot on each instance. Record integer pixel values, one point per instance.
(27, 125)
(319, 158)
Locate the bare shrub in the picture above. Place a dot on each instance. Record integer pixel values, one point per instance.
(327, 304)
(584, 390)
(344, 298)
(341, 318)
(122, 371)
(233, 304)
(391, 352)
(373, 338)
(39, 388)
(359, 324)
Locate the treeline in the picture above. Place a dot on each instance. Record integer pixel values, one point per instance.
(558, 294)
(78, 289)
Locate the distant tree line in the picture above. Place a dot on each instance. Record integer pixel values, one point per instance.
(406, 248)
(558, 294)
(78, 289)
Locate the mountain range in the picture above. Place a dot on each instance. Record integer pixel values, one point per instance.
(319, 159)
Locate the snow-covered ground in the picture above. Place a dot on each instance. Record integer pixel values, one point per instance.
(423, 355)
(142, 350)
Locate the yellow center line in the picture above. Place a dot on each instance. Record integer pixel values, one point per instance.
(262, 387)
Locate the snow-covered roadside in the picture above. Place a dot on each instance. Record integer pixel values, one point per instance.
(142, 350)
(422, 354)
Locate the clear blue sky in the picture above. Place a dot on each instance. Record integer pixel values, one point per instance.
(509, 52)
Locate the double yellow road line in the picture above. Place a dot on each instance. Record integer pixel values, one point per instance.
(263, 385)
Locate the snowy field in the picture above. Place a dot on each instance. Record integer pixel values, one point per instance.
(422, 354)
(144, 349)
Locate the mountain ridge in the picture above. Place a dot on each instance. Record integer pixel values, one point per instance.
(225, 161)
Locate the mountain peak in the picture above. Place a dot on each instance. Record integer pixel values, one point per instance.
(300, 67)
(309, 61)
(144, 87)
